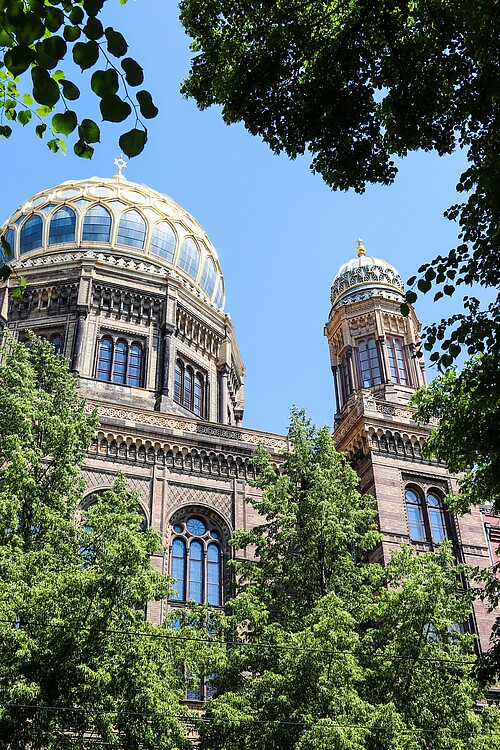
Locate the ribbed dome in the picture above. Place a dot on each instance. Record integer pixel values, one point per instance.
(363, 277)
(117, 216)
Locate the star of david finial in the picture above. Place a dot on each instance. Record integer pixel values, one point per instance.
(360, 249)
(121, 164)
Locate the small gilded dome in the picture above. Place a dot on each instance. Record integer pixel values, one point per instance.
(364, 277)
(118, 217)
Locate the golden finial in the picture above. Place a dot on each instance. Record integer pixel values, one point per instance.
(360, 249)
(121, 164)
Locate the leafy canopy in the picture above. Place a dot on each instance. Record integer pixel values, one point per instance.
(35, 37)
(328, 650)
(75, 583)
(358, 83)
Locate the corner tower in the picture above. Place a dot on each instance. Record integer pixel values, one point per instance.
(375, 373)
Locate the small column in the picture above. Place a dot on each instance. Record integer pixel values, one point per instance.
(238, 415)
(167, 332)
(336, 387)
(223, 371)
(384, 360)
(80, 326)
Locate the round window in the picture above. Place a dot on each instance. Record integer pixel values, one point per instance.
(178, 528)
(196, 527)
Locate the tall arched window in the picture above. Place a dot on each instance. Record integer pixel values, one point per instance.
(62, 226)
(163, 241)
(415, 515)
(104, 359)
(57, 342)
(369, 363)
(31, 234)
(132, 229)
(436, 517)
(120, 362)
(426, 515)
(208, 277)
(189, 387)
(96, 225)
(196, 560)
(219, 297)
(189, 259)
(397, 363)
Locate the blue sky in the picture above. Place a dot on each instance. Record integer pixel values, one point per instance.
(281, 234)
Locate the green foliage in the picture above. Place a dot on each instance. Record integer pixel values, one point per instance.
(328, 650)
(357, 84)
(35, 36)
(74, 583)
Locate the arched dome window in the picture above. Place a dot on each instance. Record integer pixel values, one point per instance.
(397, 363)
(426, 515)
(132, 229)
(104, 359)
(97, 225)
(208, 277)
(198, 395)
(189, 259)
(62, 226)
(189, 388)
(196, 561)
(134, 365)
(369, 363)
(119, 362)
(163, 241)
(219, 297)
(31, 234)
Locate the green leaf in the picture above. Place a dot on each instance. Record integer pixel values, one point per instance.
(93, 29)
(40, 129)
(5, 272)
(411, 297)
(77, 15)
(64, 122)
(438, 296)
(92, 7)
(405, 310)
(29, 28)
(7, 249)
(17, 292)
(114, 109)
(424, 285)
(117, 44)
(134, 74)
(18, 59)
(86, 54)
(53, 145)
(5, 131)
(434, 357)
(45, 89)
(43, 111)
(89, 131)
(133, 142)
(411, 281)
(448, 289)
(70, 90)
(28, 100)
(54, 19)
(148, 109)
(83, 150)
(50, 51)
(71, 33)
(104, 82)
(24, 116)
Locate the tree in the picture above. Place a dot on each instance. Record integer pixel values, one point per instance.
(329, 651)
(78, 659)
(35, 36)
(357, 83)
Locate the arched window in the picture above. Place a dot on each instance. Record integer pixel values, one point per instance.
(104, 359)
(436, 517)
(62, 226)
(9, 237)
(219, 297)
(189, 259)
(415, 515)
(198, 395)
(120, 362)
(96, 225)
(31, 234)
(57, 342)
(134, 365)
(397, 364)
(208, 277)
(131, 229)
(189, 388)
(369, 363)
(196, 561)
(426, 517)
(163, 241)
(187, 400)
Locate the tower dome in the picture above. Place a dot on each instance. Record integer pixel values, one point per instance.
(114, 216)
(364, 277)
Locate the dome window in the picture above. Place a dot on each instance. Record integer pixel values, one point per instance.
(219, 297)
(163, 241)
(62, 226)
(97, 225)
(189, 259)
(208, 277)
(31, 234)
(9, 237)
(132, 230)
